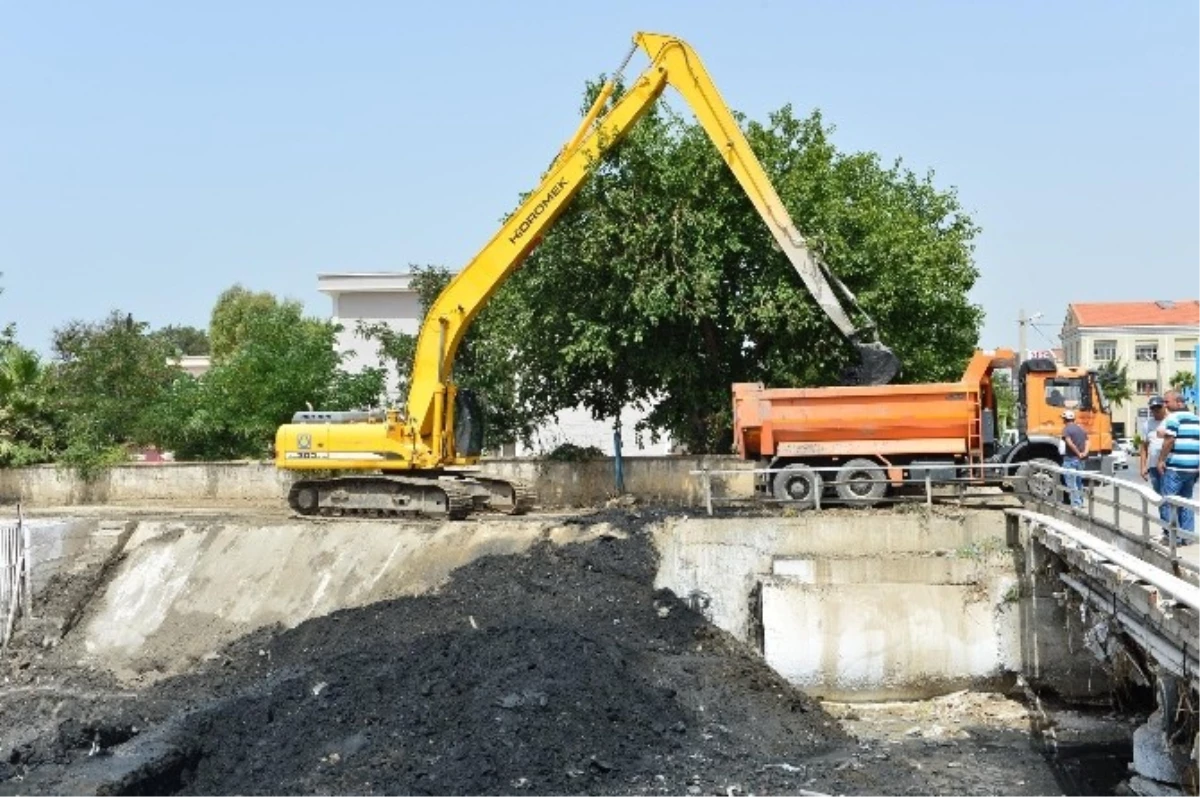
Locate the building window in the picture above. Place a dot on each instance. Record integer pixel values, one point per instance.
(1147, 387)
(1104, 350)
(1185, 354)
(1146, 352)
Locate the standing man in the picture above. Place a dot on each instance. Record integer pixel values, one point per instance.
(1179, 464)
(1152, 443)
(1075, 451)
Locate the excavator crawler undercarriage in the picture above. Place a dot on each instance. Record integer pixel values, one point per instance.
(438, 495)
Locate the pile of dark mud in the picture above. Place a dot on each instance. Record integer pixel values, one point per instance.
(560, 671)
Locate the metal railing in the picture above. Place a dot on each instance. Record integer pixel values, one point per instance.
(16, 588)
(926, 485)
(1145, 512)
(1142, 510)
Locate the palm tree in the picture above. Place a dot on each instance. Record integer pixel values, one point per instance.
(26, 414)
(1182, 380)
(1113, 377)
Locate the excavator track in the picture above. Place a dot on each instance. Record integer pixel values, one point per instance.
(507, 496)
(382, 496)
(526, 498)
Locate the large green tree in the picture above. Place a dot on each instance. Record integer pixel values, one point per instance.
(281, 362)
(661, 285)
(107, 377)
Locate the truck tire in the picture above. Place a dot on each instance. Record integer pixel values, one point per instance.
(797, 484)
(861, 482)
(1036, 484)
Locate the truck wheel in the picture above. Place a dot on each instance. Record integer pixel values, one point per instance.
(1033, 482)
(862, 482)
(798, 484)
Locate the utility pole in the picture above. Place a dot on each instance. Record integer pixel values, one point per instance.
(1022, 322)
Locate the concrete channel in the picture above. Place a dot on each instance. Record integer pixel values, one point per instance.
(888, 618)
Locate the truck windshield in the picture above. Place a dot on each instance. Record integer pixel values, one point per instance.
(1066, 392)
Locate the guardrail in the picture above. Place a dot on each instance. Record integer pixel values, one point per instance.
(1048, 488)
(1146, 510)
(926, 485)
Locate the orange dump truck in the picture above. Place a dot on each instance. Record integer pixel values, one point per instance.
(876, 438)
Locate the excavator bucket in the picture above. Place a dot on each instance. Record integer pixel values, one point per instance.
(877, 365)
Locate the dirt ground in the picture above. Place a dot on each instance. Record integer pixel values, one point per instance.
(561, 671)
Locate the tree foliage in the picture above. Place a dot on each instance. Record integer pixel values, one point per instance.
(233, 316)
(183, 341)
(1113, 377)
(1006, 400)
(29, 424)
(102, 386)
(1182, 380)
(281, 362)
(661, 285)
(107, 377)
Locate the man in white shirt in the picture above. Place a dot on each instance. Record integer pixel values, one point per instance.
(1152, 442)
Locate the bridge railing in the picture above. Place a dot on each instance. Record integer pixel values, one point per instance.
(924, 488)
(1144, 508)
(1041, 483)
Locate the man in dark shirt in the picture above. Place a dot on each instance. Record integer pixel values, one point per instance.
(1075, 451)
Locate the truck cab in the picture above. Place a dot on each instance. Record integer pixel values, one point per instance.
(1045, 391)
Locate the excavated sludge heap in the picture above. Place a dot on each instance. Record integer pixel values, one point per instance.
(561, 670)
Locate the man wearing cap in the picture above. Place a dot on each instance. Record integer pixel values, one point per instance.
(1075, 451)
(1152, 443)
(1179, 462)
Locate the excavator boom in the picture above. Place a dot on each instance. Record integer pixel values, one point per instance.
(672, 62)
(422, 441)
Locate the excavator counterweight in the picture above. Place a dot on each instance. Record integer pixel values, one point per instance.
(439, 430)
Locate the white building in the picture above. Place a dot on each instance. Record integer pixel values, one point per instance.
(1154, 339)
(371, 297)
(390, 298)
(195, 364)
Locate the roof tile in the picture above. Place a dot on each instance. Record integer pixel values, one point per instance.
(1180, 312)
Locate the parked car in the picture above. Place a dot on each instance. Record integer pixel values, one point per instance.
(1120, 457)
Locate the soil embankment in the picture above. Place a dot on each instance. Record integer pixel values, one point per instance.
(559, 670)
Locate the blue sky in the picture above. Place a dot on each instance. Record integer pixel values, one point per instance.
(153, 154)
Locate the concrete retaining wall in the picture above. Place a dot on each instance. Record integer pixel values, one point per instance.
(880, 605)
(663, 480)
(846, 604)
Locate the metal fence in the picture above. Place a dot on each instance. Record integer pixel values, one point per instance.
(1132, 510)
(16, 566)
(924, 488)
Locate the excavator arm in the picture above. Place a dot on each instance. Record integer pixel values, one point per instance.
(672, 62)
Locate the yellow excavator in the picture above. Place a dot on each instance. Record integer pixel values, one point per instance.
(417, 461)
